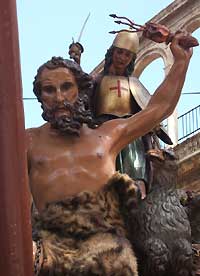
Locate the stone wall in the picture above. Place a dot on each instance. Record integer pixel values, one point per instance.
(188, 153)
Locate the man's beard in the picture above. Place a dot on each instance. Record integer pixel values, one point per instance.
(67, 124)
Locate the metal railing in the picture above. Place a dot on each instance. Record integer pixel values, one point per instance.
(189, 123)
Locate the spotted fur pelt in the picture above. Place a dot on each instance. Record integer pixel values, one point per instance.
(85, 234)
(159, 228)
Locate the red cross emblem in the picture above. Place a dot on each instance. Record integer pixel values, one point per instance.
(119, 88)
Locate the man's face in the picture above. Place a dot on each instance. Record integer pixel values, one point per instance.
(121, 59)
(58, 86)
(62, 105)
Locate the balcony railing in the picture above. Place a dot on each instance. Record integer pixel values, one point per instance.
(189, 123)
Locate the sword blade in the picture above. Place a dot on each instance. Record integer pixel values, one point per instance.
(83, 27)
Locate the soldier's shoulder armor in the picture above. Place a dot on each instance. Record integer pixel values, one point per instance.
(139, 92)
(142, 97)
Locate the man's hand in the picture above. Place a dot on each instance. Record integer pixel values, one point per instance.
(179, 52)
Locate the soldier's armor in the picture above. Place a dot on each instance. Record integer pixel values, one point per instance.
(114, 95)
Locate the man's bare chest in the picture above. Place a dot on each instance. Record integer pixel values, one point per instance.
(68, 153)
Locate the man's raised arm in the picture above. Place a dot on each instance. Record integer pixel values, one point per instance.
(168, 93)
(162, 103)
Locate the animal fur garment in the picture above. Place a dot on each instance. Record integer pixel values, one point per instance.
(85, 234)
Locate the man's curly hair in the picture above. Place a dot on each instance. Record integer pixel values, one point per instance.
(84, 81)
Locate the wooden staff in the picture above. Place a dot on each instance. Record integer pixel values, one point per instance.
(15, 227)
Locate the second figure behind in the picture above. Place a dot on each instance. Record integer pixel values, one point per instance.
(118, 94)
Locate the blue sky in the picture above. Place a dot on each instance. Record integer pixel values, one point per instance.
(46, 28)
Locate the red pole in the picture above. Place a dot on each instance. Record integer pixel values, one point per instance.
(15, 227)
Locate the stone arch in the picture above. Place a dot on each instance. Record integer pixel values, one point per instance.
(192, 24)
(180, 14)
(148, 57)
